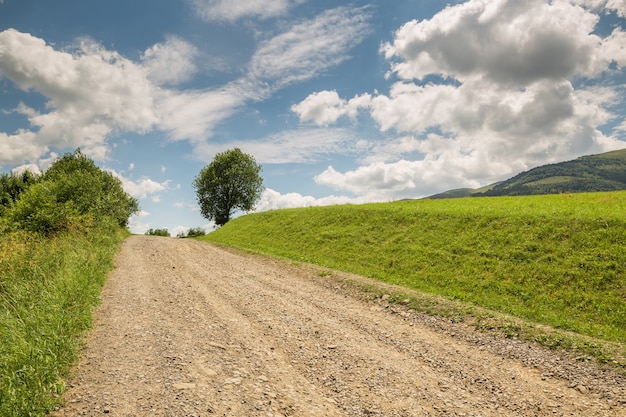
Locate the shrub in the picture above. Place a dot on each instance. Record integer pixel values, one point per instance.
(39, 210)
(158, 232)
(73, 191)
(195, 232)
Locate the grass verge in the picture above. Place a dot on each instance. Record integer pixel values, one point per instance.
(555, 260)
(48, 289)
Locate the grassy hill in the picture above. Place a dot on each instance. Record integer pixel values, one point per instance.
(602, 172)
(558, 260)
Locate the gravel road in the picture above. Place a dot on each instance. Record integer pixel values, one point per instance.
(189, 329)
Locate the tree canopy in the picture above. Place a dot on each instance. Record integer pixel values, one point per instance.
(229, 183)
(72, 190)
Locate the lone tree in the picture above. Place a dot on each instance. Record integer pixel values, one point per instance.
(231, 182)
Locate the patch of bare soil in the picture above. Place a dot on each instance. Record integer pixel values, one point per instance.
(189, 329)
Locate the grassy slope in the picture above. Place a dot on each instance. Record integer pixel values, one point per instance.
(557, 259)
(48, 288)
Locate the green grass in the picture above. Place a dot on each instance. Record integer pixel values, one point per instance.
(48, 289)
(557, 260)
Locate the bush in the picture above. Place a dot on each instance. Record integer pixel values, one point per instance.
(90, 189)
(13, 185)
(193, 232)
(74, 191)
(39, 210)
(158, 232)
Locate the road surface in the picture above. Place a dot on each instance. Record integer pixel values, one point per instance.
(189, 329)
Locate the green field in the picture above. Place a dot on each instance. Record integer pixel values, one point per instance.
(557, 260)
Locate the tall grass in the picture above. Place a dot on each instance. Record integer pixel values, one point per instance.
(555, 259)
(48, 289)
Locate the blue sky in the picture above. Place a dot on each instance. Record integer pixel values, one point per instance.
(340, 101)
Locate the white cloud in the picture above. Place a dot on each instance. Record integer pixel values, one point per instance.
(19, 147)
(326, 107)
(34, 168)
(503, 96)
(143, 187)
(233, 10)
(508, 42)
(171, 62)
(298, 54)
(617, 6)
(404, 179)
(179, 230)
(91, 93)
(309, 48)
(273, 200)
(392, 149)
(287, 146)
(136, 223)
(192, 115)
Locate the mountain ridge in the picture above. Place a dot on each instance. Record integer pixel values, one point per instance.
(590, 173)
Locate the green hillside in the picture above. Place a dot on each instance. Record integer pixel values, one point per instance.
(602, 172)
(559, 260)
(462, 192)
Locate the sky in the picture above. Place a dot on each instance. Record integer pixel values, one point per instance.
(339, 101)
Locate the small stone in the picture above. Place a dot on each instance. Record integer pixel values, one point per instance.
(233, 381)
(582, 389)
(385, 297)
(217, 345)
(184, 385)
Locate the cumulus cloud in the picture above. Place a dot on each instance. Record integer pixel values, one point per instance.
(273, 200)
(617, 6)
(404, 179)
(34, 168)
(91, 93)
(143, 187)
(509, 42)
(482, 91)
(137, 223)
(326, 107)
(171, 62)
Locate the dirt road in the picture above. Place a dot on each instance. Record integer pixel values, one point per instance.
(187, 329)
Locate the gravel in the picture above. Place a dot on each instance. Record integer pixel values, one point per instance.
(189, 329)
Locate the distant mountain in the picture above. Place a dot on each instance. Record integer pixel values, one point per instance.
(602, 172)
